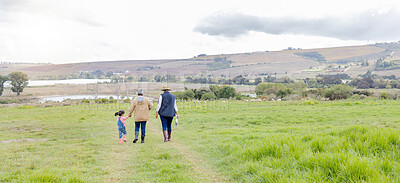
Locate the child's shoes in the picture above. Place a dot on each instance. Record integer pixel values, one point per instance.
(120, 141)
(124, 138)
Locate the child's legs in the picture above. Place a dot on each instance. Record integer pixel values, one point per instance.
(163, 123)
(137, 126)
(122, 131)
(143, 127)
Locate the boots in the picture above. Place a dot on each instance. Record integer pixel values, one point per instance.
(165, 136)
(142, 139)
(136, 137)
(169, 136)
(124, 138)
(120, 141)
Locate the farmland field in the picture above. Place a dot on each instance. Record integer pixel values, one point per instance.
(231, 141)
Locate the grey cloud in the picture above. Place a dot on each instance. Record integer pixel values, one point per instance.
(361, 26)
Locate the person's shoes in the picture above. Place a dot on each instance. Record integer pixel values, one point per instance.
(136, 137)
(165, 136)
(169, 136)
(124, 138)
(142, 139)
(120, 141)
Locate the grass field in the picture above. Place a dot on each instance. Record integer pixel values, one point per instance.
(293, 141)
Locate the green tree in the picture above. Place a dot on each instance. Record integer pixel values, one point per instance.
(19, 81)
(3, 79)
(226, 92)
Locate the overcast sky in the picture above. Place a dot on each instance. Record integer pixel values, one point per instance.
(66, 31)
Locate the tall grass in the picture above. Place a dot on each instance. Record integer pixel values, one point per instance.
(332, 141)
(345, 141)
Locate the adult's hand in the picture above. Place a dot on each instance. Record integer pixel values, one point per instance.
(177, 116)
(156, 115)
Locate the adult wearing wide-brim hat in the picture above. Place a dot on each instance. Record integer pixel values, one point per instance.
(167, 109)
(140, 107)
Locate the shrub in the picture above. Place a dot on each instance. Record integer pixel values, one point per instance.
(226, 92)
(178, 95)
(384, 95)
(26, 107)
(269, 88)
(200, 92)
(208, 96)
(85, 101)
(338, 92)
(284, 92)
(238, 97)
(188, 94)
(127, 100)
(363, 92)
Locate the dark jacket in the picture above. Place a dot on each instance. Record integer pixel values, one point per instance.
(167, 105)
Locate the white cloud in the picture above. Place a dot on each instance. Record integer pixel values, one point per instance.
(74, 31)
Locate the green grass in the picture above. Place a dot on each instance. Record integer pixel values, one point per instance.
(301, 141)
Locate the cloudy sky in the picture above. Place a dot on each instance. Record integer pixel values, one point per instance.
(66, 31)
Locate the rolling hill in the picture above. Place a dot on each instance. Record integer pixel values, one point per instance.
(295, 63)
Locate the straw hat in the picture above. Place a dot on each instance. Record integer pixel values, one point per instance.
(165, 88)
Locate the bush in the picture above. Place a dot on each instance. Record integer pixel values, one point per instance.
(85, 101)
(186, 95)
(226, 92)
(208, 96)
(127, 100)
(284, 92)
(363, 92)
(178, 95)
(384, 95)
(3, 102)
(200, 92)
(277, 89)
(26, 107)
(338, 92)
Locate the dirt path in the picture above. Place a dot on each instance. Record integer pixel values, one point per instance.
(204, 171)
(117, 165)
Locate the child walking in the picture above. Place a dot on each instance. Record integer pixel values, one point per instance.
(121, 125)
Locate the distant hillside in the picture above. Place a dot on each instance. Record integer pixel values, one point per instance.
(295, 63)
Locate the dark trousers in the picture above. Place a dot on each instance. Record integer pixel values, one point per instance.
(166, 123)
(137, 126)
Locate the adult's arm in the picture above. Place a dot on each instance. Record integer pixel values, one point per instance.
(176, 110)
(150, 104)
(132, 108)
(158, 105)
